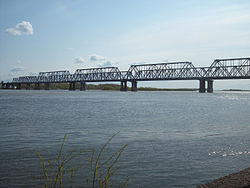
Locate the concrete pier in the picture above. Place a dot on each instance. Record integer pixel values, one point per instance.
(72, 86)
(7, 86)
(11, 86)
(47, 86)
(124, 86)
(210, 86)
(202, 88)
(27, 86)
(83, 86)
(18, 86)
(134, 86)
(2, 85)
(37, 86)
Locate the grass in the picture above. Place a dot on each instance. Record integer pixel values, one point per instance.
(56, 172)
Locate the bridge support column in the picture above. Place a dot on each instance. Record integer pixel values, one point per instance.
(124, 86)
(2, 85)
(37, 86)
(202, 88)
(83, 86)
(210, 86)
(134, 86)
(7, 86)
(27, 86)
(18, 86)
(72, 86)
(11, 86)
(46, 86)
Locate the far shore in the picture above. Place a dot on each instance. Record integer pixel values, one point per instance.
(247, 90)
(116, 87)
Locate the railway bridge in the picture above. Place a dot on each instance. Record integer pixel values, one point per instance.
(234, 68)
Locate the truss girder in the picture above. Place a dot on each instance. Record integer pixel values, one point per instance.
(225, 71)
(219, 69)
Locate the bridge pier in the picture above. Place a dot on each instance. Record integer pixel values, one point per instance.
(134, 85)
(37, 86)
(11, 86)
(72, 86)
(83, 86)
(27, 86)
(18, 86)
(47, 86)
(124, 86)
(2, 85)
(210, 86)
(202, 88)
(7, 86)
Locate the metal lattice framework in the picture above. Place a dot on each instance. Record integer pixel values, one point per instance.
(162, 71)
(237, 68)
(44, 77)
(98, 74)
(54, 73)
(53, 76)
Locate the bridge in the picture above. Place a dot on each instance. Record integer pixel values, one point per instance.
(235, 68)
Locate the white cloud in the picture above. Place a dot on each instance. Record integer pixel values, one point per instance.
(79, 60)
(17, 69)
(95, 61)
(32, 74)
(21, 28)
(106, 64)
(95, 57)
(11, 74)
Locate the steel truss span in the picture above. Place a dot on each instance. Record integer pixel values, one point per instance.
(234, 68)
(237, 68)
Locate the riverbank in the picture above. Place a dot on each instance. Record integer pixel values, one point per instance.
(111, 87)
(240, 179)
(236, 90)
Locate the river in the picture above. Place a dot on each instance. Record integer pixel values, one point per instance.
(175, 139)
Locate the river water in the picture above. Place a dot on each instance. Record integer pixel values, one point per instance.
(175, 139)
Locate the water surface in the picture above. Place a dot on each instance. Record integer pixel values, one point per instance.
(175, 139)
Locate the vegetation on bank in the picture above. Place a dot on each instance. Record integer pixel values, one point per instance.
(60, 172)
(235, 90)
(166, 89)
(113, 87)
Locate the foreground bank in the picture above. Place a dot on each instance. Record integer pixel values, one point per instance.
(237, 180)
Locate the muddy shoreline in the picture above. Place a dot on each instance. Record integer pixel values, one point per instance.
(239, 179)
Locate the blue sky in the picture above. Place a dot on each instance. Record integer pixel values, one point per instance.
(69, 34)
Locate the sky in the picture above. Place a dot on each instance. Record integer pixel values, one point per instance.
(51, 35)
